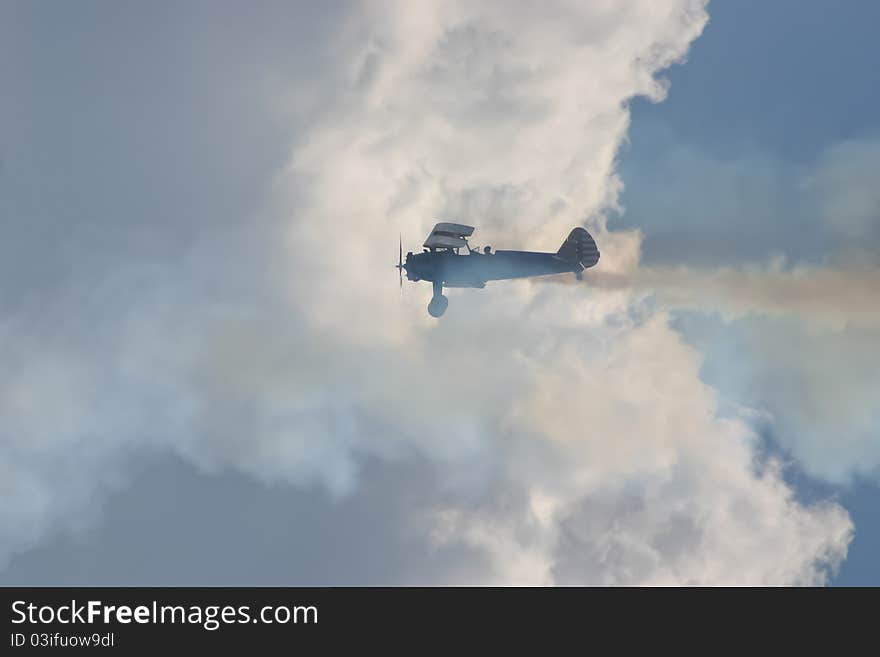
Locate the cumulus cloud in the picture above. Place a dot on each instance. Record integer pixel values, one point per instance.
(636, 479)
(569, 428)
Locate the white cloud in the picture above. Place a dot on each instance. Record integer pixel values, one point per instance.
(627, 475)
(512, 122)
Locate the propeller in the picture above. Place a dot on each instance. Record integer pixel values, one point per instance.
(400, 262)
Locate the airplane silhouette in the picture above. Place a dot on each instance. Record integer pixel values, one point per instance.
(442, 262)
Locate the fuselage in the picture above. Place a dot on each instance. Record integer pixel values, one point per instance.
(476, 269)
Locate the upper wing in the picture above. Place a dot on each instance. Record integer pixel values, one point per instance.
(448, 235)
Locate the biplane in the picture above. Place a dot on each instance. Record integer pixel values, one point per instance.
(447, 260)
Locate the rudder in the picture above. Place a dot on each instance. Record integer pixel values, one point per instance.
(579, 246)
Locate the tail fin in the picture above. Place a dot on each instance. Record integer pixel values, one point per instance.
(579, 246)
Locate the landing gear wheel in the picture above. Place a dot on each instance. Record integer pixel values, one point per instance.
(437, 306)
(579, 275)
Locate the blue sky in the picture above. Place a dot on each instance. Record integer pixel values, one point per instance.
(200, 387)
(785, 77)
